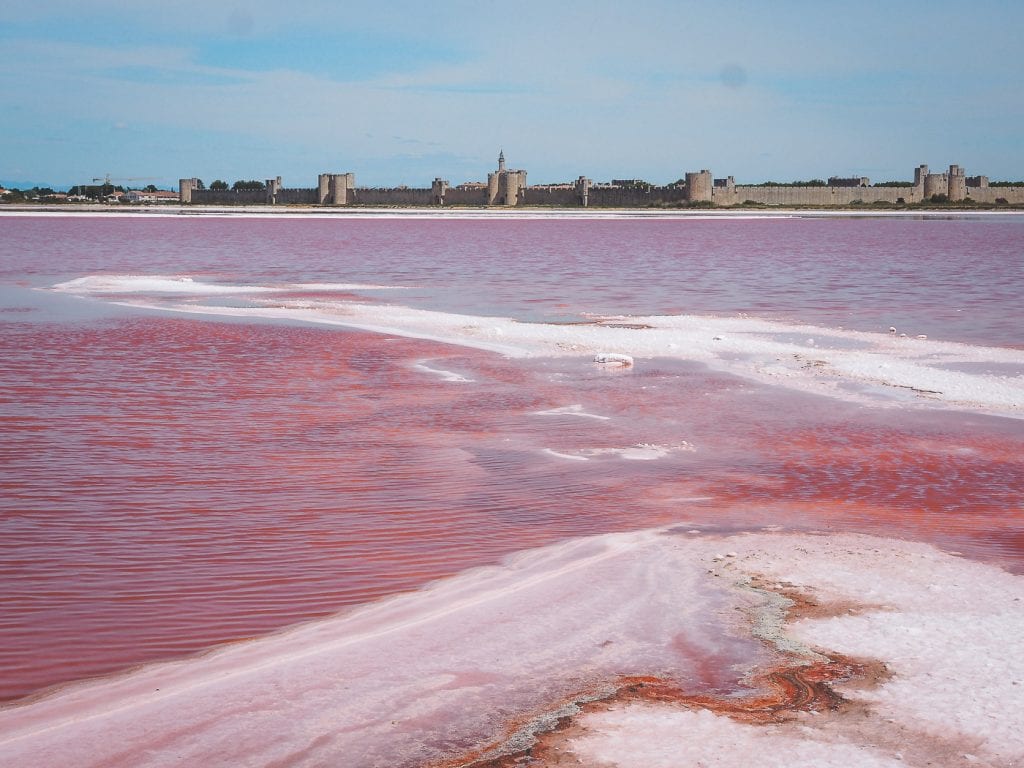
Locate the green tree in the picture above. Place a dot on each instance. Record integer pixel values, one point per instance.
(150, 188)
(252, 184)
(218, 185)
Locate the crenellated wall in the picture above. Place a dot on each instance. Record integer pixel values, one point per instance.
(285, 196)
(229, 197)
(989, 195)
(635, 197)
(508, 188)
(814, 196)
(473, 196)
(392, 196)
(556, 197)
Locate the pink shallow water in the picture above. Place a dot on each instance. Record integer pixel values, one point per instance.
(955, 279)
(169, 484)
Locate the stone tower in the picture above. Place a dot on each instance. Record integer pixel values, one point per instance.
(185, 189)
(504, 186)
(582, 189)
(438, 189)
(273, 187)
(699, 186)
(957, 184)
(336, 188)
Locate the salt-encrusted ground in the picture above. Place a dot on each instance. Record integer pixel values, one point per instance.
(948, 631)
(456, 672)
(476, 667)
(852, 365)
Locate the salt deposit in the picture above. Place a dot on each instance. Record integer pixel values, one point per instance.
(871, 368)
(947, 630)
(127, 284)
(443, 374)
(448, 671)
(612, 358)
(572, 410)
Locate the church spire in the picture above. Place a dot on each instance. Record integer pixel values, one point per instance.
(501, 160)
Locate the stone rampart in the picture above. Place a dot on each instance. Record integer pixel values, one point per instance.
(474, 196)
(989, 195)
(635, 197)
(812, 196)
(509, 188)
(556, 197)
(391, 196)
(229, 197)
(286, 196)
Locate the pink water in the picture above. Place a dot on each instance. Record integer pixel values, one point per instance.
(167, 483)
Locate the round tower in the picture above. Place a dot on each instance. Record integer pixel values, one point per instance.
(185, 189)
(501, 161)
(935, 184)
(699, 186)
(957, 189)
(492, 187)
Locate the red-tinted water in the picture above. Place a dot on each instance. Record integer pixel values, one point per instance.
(957, 279)
(169, 484)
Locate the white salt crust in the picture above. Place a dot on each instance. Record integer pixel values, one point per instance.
(869, 368)
(424, 675)
(443, 374)
(948, 630)
(647, 736)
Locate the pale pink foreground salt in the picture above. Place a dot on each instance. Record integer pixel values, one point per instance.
(457, 668)
(947, 630)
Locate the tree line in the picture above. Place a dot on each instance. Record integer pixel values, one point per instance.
(219, 185)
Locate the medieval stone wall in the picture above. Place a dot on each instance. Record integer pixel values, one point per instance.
(229, 197)
(508, 188)
(391, 196)
(635, 197)
(813, 196)
(285, 196)
(989, 195)
(554, 197)
(456, 196)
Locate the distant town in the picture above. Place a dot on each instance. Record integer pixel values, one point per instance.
(506, 187)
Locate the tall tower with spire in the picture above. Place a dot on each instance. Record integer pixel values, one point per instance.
(505, 187)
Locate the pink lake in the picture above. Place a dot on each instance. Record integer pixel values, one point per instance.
(169, 482)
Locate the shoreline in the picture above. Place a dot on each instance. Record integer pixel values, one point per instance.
(523, 212)
(838, 646)
(870, 368)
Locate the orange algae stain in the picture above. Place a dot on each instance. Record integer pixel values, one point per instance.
(778, 695)
(775, 694)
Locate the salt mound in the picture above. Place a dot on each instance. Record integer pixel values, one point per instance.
(611, 358)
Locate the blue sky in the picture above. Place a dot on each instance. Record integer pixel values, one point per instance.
(400, 92)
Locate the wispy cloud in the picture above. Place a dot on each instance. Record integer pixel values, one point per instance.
(760, 90)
